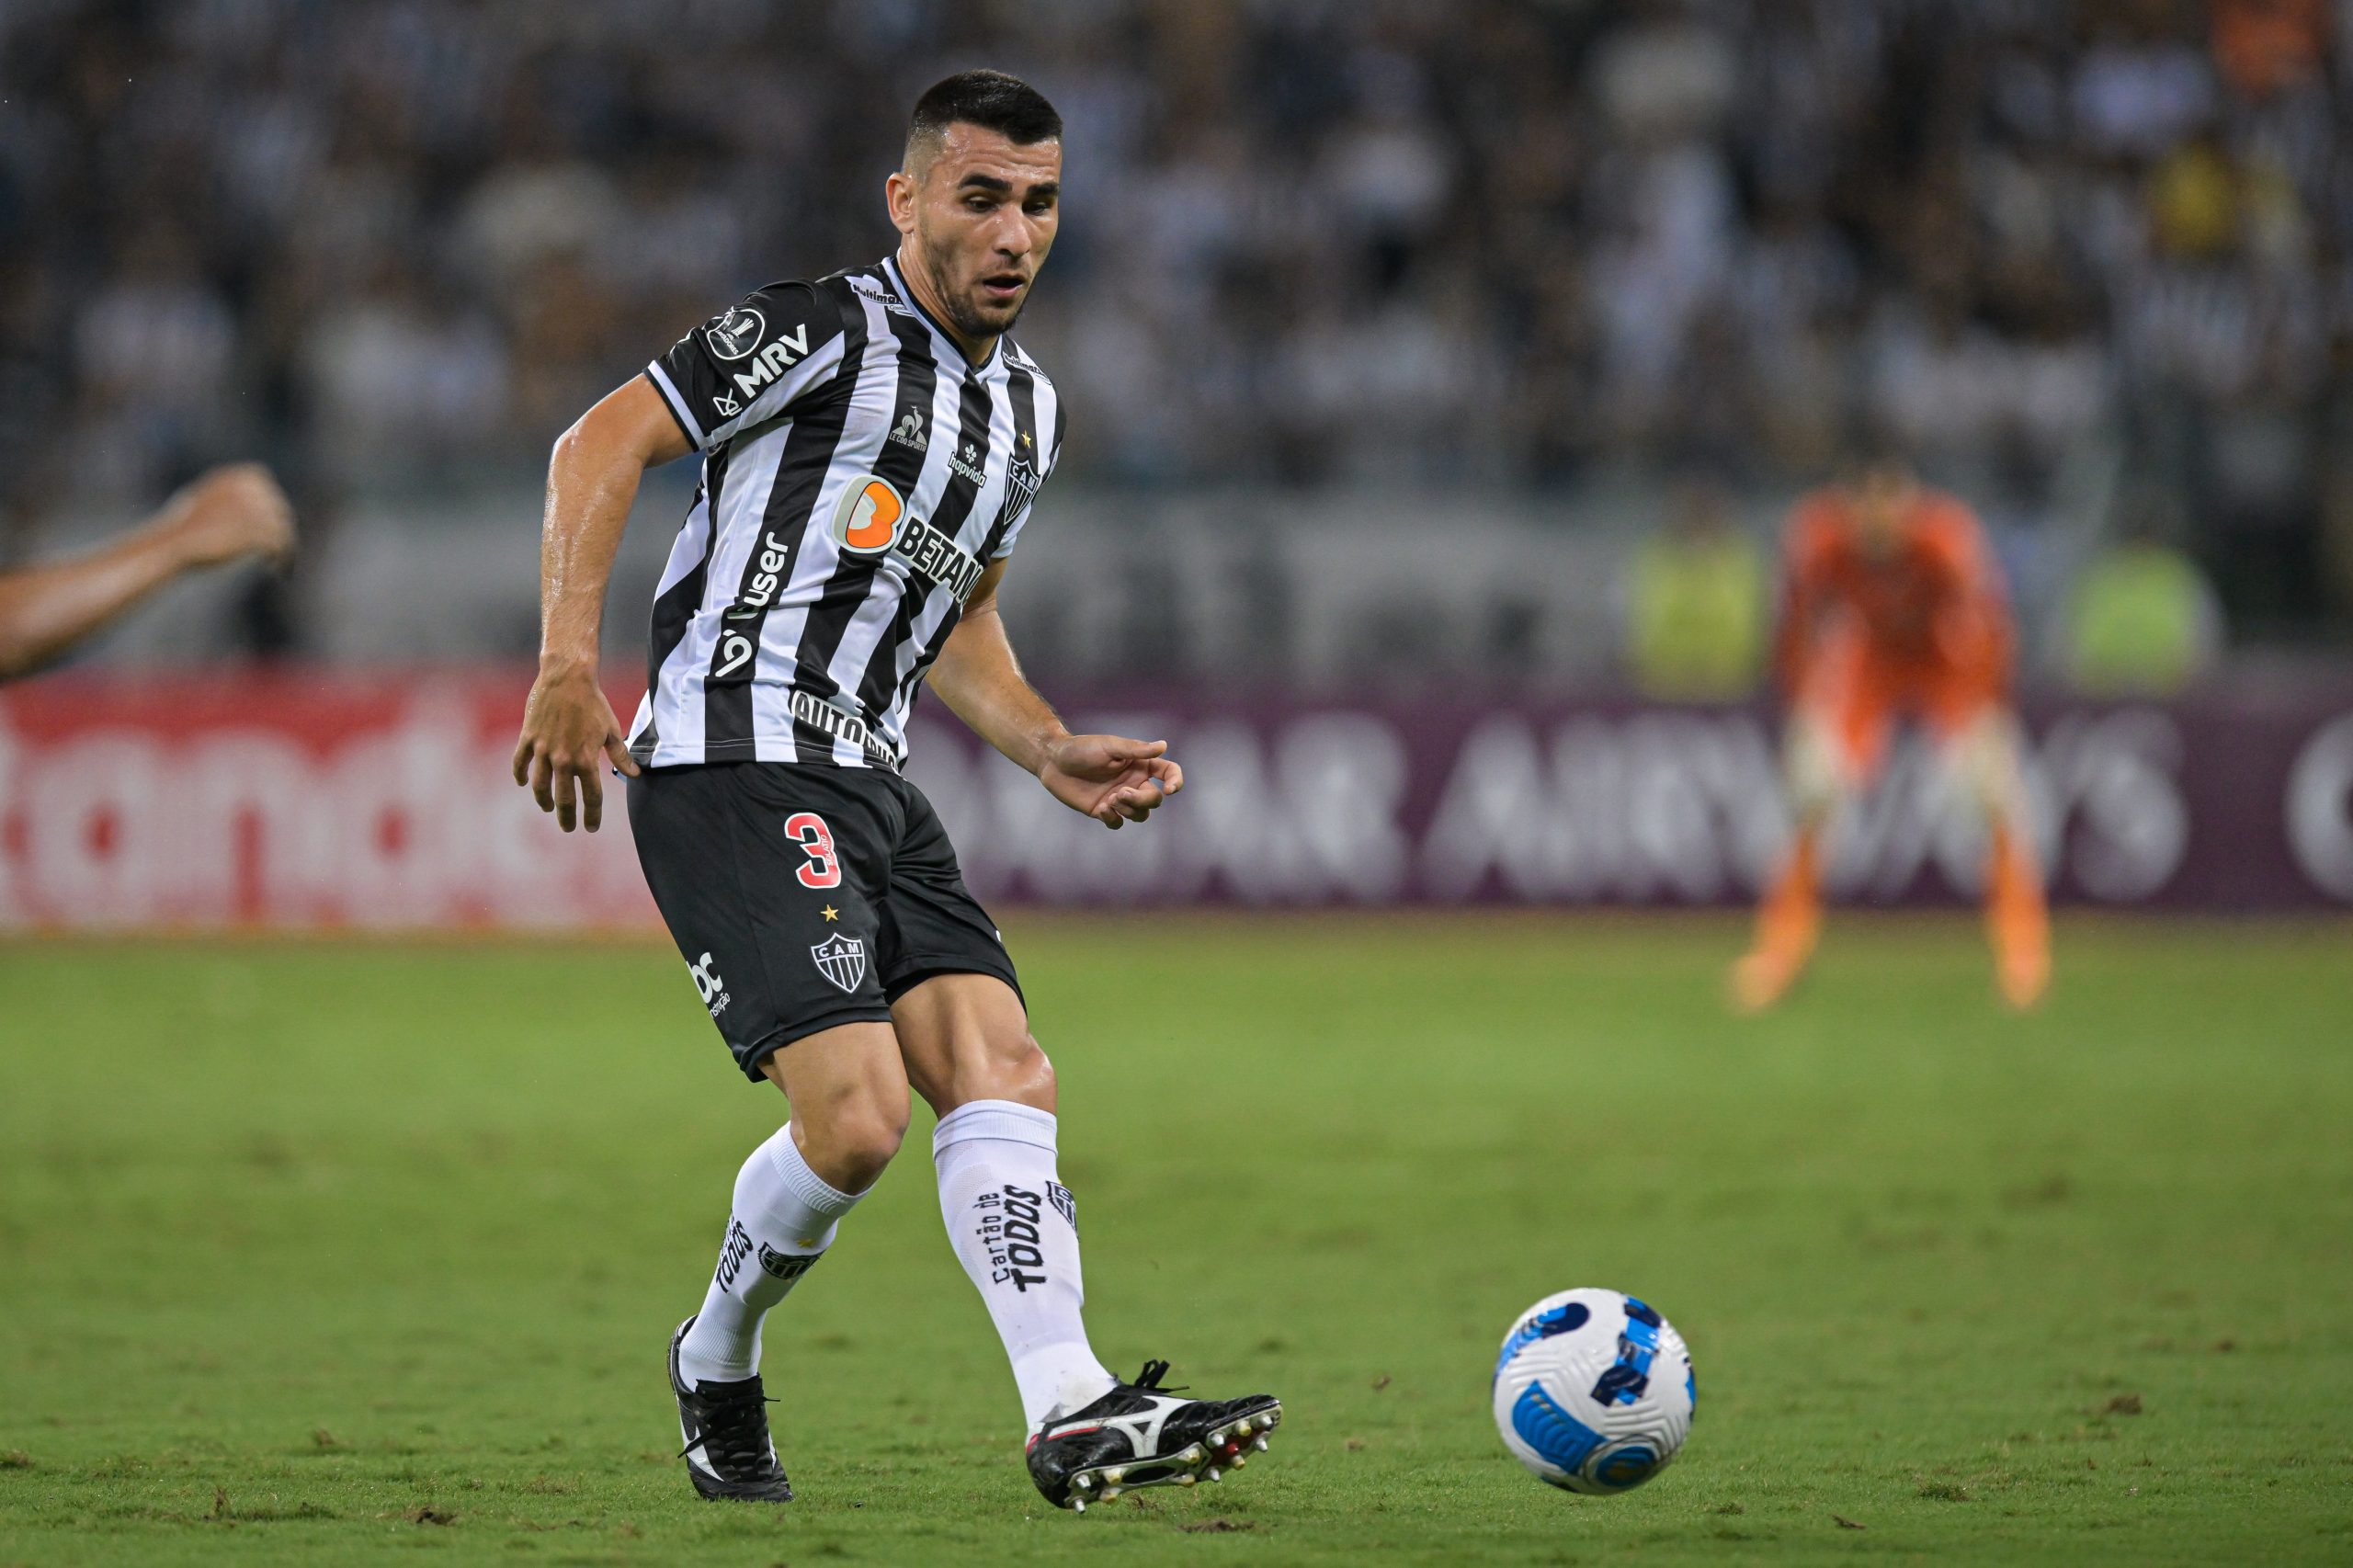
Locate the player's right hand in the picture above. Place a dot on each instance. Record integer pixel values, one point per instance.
(230, 513)
(568, 731)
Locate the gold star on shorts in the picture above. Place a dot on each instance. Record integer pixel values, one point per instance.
(830, 913)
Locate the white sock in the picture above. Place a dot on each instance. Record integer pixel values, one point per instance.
(1015, 1228)
(783, 1222)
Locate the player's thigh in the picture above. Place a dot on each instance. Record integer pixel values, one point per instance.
(955, 998)
(1837, 733)
(770, 878)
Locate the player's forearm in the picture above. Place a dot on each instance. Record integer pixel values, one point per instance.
(592, 483)
(46, 609)
(978, 677)
(1792, 635)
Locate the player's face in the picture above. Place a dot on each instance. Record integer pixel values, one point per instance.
(981, 215)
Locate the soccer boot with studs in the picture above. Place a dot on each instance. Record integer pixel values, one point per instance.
(1139, 1435)
(726, 1427)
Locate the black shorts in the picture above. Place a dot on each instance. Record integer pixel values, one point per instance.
(804, 897)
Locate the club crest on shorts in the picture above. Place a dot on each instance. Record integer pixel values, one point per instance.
(841, 959)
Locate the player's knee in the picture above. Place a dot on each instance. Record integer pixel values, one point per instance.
(1032, 1073)
(1809, 769)
(852, 1138)
(1813, 798)
(1985, 754)
(1009, 1067)
(852, 1153)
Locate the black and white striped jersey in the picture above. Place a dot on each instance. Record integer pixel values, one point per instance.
(858, 474)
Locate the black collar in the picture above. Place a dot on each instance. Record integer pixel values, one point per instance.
(899, 285)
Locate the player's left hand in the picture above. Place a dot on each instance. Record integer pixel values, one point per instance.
(1110, 778)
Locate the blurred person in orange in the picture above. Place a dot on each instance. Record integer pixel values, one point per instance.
(1893, 608)
(233, 513)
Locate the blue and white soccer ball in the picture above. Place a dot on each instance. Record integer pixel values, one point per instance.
(1594, 1390)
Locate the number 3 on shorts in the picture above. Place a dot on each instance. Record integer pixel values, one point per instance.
(816, 840)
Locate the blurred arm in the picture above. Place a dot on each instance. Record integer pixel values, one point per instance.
(568, 726)
(225, 515)
(1973, 625)
(1108, 778)
(1801, 604)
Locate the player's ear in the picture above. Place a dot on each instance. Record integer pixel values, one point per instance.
(899, 195)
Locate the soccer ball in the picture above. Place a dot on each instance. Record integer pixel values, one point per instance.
(1593, 1390)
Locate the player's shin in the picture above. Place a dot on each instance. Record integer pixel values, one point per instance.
(1015, 1228)
(2017, 916)
(2017, 919)
(1788, 922)
(783, 1221)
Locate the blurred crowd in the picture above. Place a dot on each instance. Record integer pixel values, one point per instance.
(1495, 243)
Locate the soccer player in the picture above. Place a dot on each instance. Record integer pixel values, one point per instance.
(871, 445)
(230, 514)
(1892, 608)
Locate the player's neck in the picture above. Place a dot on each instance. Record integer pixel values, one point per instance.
(920, 283)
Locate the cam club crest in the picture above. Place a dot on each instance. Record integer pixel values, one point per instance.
(841, 959)
(1021, 488)
(1021, 482)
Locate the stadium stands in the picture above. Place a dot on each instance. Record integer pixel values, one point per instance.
(1488, 248)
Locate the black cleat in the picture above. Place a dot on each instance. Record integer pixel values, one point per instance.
(1136, 1436)
(726, 1430)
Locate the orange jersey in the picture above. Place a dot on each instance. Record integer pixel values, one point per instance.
(1932, 606)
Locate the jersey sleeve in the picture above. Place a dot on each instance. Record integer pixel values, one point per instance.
(1973, 621)
(1025, 487)
(1804, 553)
(749, 364)
(1962, 556)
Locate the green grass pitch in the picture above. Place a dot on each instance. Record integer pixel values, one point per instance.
(353, 1253)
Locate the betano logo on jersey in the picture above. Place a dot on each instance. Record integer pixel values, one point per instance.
(866, 519)
(871, 518)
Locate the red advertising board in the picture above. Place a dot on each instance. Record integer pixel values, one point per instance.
(313, 799)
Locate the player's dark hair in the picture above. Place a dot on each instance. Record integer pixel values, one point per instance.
(989, 100)
(1875, 445)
